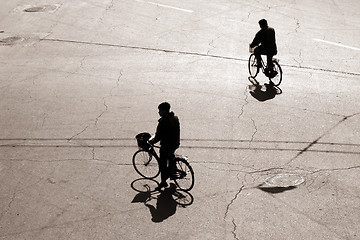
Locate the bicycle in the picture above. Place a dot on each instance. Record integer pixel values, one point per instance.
(146, 163)
(274, 75)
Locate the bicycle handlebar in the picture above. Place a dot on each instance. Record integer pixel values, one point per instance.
(251, 50)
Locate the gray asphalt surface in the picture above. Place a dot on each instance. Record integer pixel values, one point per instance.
(79, 79)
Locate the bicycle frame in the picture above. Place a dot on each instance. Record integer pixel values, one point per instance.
(153, 153)
(262, 65)
(157, 157)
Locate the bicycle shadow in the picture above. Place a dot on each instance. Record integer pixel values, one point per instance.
(167, 201)
(263, 92)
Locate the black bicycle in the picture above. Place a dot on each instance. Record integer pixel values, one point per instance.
(146, 163)
(274, 75)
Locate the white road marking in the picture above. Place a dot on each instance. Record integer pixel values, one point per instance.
(166, 6)
(337, 44)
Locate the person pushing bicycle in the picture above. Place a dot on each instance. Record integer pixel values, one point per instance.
(168, 133)
(265, 44)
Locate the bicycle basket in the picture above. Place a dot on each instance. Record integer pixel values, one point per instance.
(142, 140)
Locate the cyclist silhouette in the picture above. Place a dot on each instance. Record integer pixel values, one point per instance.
(168, 133)
(265, 43)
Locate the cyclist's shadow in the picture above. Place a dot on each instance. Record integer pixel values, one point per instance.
(166, 201)
(165, 205)
(263, 92)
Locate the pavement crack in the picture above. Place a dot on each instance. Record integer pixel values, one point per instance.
(232, 201)
(10, 202)
(234, 230)
(211, 44)
(162, 90)
(297, 25)
(335, 169)
(102, 113)
(104, 99)
(255, 131)
(228, 209)
(266, 170)
(118, 80)
(246, 102)
(111, 5)
(74, 136)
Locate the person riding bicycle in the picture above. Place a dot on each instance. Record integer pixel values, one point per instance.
(168, 133)
(265, 44)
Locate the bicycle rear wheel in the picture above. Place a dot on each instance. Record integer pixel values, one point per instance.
(278, 77)
(146, 164)
(253, 66)
(183, 175)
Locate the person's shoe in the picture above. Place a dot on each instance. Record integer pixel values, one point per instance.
(161, 185)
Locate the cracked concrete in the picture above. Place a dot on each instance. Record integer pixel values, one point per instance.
(227, 212)
(88, 78)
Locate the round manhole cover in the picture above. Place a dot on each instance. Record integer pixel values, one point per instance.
(35, 9)
(11, 40)
(285, 180)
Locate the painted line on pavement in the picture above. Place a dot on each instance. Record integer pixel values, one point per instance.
(337, 44)
(166, 6)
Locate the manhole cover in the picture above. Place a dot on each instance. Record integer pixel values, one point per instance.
(43, 8)
(285, 180)
(11, 40)
(35, 9)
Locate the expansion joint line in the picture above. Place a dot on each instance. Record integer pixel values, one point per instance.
(188, 53)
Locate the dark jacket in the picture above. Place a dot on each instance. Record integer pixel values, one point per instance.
(266, 37)
(168, 131)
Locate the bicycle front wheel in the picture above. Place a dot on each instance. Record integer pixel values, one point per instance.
(278, 77)
(146, 164)
(253, 66)
(183, 175)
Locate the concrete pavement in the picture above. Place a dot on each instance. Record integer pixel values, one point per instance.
(80, 79)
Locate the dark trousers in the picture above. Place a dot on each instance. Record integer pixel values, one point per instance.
(258, 51)
(166, 162)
